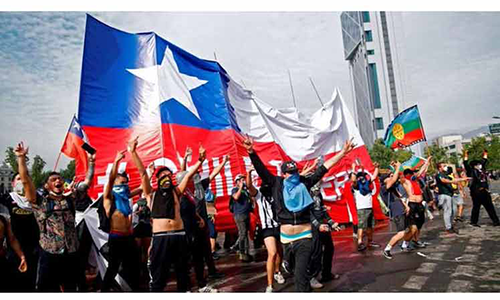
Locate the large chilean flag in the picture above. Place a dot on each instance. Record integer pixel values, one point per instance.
(142, 85)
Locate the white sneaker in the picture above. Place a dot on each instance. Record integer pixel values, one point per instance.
(279, 278)
(269, 289)
(207, 289)
(315, 284)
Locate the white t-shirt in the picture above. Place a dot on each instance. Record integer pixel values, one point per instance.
(362, 201)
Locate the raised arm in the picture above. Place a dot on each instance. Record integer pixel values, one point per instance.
(348, 146)
(468, 170)
(424, 168)
(375, 173)
(219, 168)
(107, 195)
(394, 178)
(187, 154)
(84, 186)
(251, 188)
(484, 160)
(145, 183)
(193, 170)
(29, 188)
(259, 166)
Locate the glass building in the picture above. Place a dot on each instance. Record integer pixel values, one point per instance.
(371, 49)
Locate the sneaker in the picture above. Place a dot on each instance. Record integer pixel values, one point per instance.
(207, 289)
(373, 245)
(419, 244)
(269, 289)
(215, 256)
(387, 254)
(329, 277)
(216, 275)
(315, 284)
(406, 249)
(354, 235)
(361, 247)
(475, 225)
(286, 267)
(279, 278)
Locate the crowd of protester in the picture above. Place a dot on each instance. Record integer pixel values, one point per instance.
(45, 245)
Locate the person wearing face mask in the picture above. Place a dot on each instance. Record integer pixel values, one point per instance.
(25, 228)
(55, 215)
(445, 191)
(291, 193)
(362, 191)
(123, 250)
(479, 189)
(169, 242)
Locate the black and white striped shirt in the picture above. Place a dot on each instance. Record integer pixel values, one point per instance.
(267, 214)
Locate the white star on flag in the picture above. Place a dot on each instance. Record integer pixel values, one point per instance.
(168, 84)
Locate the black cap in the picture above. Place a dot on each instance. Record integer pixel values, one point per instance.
(289, 167)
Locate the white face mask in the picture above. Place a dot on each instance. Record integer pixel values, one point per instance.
(19, 188)
(479, 167)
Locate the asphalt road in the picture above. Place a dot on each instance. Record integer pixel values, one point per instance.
(468, 262)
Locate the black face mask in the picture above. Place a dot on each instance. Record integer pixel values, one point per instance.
(162, 180)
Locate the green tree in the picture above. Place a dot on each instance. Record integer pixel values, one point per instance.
(69, 172)
(491, 144)
(455, 159)
(383, 155)
(37, 172)
(11, 159)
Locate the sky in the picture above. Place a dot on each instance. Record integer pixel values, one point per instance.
(450, 60)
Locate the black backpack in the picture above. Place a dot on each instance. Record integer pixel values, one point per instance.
(104, 221)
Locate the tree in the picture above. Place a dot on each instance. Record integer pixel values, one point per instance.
(491, 144)
(383, 155)
(37, 171)
(69, 172)
(11, 159)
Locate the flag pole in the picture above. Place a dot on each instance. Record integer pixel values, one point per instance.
(67, 132)
(291, 87)
(317, 94)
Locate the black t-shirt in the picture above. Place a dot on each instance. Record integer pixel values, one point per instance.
(444, 188)
(24, 225)
(81, 204)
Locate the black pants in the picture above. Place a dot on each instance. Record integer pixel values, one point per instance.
(243, 224)
(300, 253)
(5, 274)
(122, 252)
(202, 253)
(55, 270)
(168, 249)
(24, 282)
(85, 245)
(321, 254)
(482, 197)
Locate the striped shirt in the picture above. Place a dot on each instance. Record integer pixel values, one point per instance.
(266, 213)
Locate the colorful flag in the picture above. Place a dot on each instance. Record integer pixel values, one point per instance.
(72, 146)
(405, 130)
(142, 85)
(415, 162)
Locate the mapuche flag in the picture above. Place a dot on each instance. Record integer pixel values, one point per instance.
(405, 130)
(413, 163)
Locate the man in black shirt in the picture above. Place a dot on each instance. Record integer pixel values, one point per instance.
(293, 207)
(479, 189)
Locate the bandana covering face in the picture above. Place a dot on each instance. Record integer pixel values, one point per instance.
(363, 185)
(295, 193)
(121, 193)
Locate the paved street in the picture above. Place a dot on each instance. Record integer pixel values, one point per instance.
(466, 263)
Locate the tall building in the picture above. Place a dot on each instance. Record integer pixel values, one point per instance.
(5, 177)
(371, 49)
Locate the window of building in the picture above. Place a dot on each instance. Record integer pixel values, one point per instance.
(370, 52)
(366, 17)
(374, 80)
(379, 123)
(369, 36)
